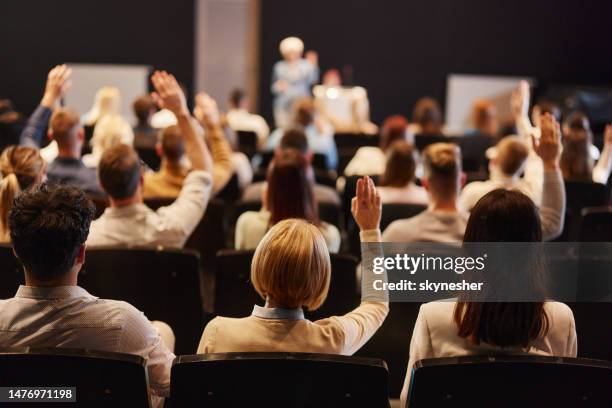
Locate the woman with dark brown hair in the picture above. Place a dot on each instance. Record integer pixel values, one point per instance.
(461, 327)
(397, 182)
(289, 194)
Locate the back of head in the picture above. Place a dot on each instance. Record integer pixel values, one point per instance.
(143, 108)
(48, 225)
(119, 172)
(484, 117)
(401, 165)
(64, 126)
(106, 102)
(303, 112)
(290, 188)
(505, 216)
(291, 265)
(173, 144)
(393, 128)
(21, 167)
(511, 155)
(428, 115)
(291, 47)
(576, 161)
(442, 169)
(236, 97)
(110, 131)
(295, 139)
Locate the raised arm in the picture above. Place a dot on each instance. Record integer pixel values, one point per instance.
(548, 148)
(169, 95)
(519, 104)
(601, 172)
(58, 81)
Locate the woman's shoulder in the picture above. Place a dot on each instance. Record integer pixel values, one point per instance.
(253, 217)
(559, 313)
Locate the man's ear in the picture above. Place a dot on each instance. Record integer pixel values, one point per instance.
(50, 134)
(462, 179)
(158, 150)
(425, 183)
(80, 259)
(81, 134)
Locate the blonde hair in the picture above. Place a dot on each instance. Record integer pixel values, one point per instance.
(291, 44)
(291, 265)
(109, 132)
(442, 168)
(21, 167)
(511, 155)
(106, 102)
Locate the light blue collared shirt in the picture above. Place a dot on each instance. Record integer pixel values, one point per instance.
(277, 313)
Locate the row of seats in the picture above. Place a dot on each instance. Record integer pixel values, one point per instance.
(176, 292)
(102, 379)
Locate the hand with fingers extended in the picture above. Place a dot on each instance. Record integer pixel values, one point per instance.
(366, 206)
(168, 93)
(549, 145)
(58, 82)
(519, 100)
(206, 110)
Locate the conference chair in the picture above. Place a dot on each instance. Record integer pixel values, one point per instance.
(511, 381)
(235, 296)
(100, 204)
(150, 157)
(422, 140)
(287, 380)
(473, 149)
(328, 212)
(595, 224)
(96, 378)
(319, 161)
(88, 130)
(579, 195)
(247, 142)
(11, 272)
(355, 140)
(164, 283)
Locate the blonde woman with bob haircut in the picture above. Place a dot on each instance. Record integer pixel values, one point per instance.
(291, 270)
(110, 131)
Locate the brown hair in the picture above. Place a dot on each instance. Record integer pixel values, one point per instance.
(505, 216)
(64, 125)
(393, 128)
(291, 265)
(143, 106)
(173, 143)
(401, 165)
(442, 168)
(303, 112)
(511, 155)
(484, 116)
(576, 161)
(290, 188)
(119, 171)
(21, 167)
(428, 115)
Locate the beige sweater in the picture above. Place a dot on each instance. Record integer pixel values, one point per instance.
(286, 330)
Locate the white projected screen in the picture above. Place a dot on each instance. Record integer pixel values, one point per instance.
(132, 81)
(463, 90)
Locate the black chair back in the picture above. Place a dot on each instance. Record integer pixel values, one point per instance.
(328, 212)
(99, 379)
(231, 192)
(150, 157)
(319, 161)
(355, 140)
(596, 224)
(473, 149)
(11, 272)
(580, 195)
(393, 212)
(101, 203)
(247, 142)
(511, 381)
(422, 140)
(235, 295)
(278, 380)
(163, 283)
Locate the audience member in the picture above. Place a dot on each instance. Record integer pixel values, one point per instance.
(20, 167)
(110, 130)
(292, 78)
(291, 270)
(128, 220)
(145, 135)
(371, 160)
(66, 133)
(397, 182)
(461, 327)
(288, 194)
(294, 139)
(11, 124)
(240, 118)
(443, 221)
(49, 225)
(484, 119)
(168, 181)
(106, 102)
(319, 132)
(577, 162)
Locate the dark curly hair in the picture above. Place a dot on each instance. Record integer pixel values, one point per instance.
(48, 224)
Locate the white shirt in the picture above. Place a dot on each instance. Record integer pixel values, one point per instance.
(435, 335)
(409, 194)
(251, 227)
(241, 119)
(169, 226)
(367, 161)
(428, 226)
(475, 190)
(69, 317)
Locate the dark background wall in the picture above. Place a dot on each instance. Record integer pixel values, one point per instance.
(403, 49)
(36, 35)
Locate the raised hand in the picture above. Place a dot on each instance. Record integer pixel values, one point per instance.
(313, 58)
(58, 82)
(168, 93)
(549, 145)
(366, 207)
(519, 100)
(608, 135)
(206, 110)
